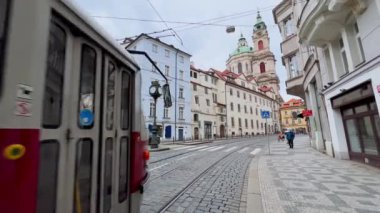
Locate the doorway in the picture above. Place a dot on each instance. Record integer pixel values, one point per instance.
(362, 128)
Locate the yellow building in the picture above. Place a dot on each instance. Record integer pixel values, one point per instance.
(288, 109)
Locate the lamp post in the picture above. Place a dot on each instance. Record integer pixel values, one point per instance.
(155, 92)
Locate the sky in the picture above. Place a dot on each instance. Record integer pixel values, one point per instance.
(208, 45)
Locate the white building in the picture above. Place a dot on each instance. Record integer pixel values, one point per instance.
(304, 75)
(347, 33)
(174, 122)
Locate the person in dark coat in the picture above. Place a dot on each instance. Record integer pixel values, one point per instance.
(290, 137)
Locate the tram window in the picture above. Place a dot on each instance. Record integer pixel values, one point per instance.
(125, 100)
(54, 78)
(4, 13)
(82, 184)
(110, 96)
(107, 193)
(47, 176)
(87, 87)
(123, 169)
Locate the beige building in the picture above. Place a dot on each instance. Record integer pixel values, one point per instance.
(244, 101)
(288, 119)
(207, 113)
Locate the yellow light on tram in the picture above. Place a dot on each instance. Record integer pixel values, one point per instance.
(14, 151)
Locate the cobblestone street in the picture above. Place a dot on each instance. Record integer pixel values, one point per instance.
(201, 178)
(304, 180)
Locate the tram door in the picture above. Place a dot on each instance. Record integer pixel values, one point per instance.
(114, 149)
(85, 123)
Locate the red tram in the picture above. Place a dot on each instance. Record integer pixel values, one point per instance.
(72, 138)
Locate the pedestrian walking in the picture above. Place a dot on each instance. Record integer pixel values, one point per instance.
(290, 137)
(281, 137)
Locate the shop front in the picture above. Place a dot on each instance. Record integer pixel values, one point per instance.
(361, 123)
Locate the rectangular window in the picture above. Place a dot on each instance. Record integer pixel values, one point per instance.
(257, 112)
(359, 42)
(107, 178)
(166, 112)
(246, 123)
(255, 99)
(231, 92)
(238, 94)
(180, 115)
(125, 100)
(239, 122)
(206, 78)
(238, 107)
(288, 27)
(257, 124)
(123, 169)
(250, 97)
(191, 73)
(195, 75)
(47, 176)
(252, 124)
(181, 59)
(154, 48)
(151, 110)
(196, 99)
(181, 74)
(232, 122)
(251, 110)
(83, 170)
(87, 85)
(4, 17)
(343, 55)
(167, 53)
(167, 70)
(245, 109)
(180, 93)
(194, 87)
(232, 106)
(208, 102)
(153, 67)
(206, 90)
(110, 96)
(293, 66)
(54, 77)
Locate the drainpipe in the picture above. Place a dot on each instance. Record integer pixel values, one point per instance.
(225, 98)
(175, 96)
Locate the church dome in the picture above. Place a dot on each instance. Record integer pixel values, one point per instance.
(242, 47)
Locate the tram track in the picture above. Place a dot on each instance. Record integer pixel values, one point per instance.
(197, 178)
(183, 153)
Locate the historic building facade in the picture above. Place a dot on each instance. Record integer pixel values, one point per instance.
(289, 111)
(304, 72)
(256, 62)
(174, 122)
(344, 34)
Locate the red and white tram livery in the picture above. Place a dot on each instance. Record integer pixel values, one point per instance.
(72, 137)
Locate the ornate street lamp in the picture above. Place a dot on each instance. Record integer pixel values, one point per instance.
(155, 91)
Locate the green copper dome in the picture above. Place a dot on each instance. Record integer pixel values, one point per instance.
(242, 47)
(260, 24)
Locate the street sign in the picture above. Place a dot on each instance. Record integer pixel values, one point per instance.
(265, 114)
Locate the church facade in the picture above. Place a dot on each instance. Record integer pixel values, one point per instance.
(256, 61)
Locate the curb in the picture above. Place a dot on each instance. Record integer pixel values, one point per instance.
(254, 199)
(159, 149)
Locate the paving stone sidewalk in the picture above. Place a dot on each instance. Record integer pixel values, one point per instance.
(303, 180)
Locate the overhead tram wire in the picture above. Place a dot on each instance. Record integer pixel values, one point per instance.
(166, 24)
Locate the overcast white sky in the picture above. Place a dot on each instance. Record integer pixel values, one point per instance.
(208, 45)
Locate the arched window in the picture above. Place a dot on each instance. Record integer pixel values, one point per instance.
(261, 45)
(240, 69)
(262, 67)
